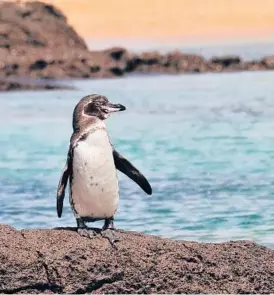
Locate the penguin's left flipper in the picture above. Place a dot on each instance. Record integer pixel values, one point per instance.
(128, 169)
(62, 186)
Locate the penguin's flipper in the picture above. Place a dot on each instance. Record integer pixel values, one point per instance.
(128, 169)
(62, 186)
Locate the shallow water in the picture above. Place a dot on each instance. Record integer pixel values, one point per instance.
(205, 142)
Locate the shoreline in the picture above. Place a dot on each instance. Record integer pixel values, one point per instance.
(113, 63)
(39, 43)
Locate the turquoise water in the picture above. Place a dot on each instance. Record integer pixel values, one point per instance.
(205, 142)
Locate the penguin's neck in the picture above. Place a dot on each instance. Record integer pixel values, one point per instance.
(90, 124)
(96, 124)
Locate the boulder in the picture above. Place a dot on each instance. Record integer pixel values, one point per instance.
(226, 61)
(268, 61)
(60, 261)
(35, 24)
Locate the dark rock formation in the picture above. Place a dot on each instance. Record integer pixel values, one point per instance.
(37, 42)
(60, 261)
(226, 61)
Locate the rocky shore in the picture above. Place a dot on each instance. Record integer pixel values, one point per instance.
(36, 41)
(18, 84)
(60, 261)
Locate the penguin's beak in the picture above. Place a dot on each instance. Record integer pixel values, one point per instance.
(110, 108)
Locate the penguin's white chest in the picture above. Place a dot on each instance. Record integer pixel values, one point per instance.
(94, 187)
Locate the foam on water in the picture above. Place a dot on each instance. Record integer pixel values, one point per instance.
(205, 142)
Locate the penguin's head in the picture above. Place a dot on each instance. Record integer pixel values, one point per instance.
(95, 105)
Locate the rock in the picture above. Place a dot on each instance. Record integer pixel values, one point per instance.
(60, 261)
(117, 53)
(254, 66)
(226, 61)
(268, 62)
(174, 62)
(36, 41)
(37, 25)
(186, 62)
(8, 85)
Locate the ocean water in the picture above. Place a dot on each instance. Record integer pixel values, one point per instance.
(205, 143)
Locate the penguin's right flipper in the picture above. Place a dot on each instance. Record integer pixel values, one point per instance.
(62, 186)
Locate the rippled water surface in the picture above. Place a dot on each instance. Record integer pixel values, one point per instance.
(205, 142)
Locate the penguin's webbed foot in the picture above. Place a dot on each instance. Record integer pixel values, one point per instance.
(109, 232)
(111, 235)
(86, 232)
(83, 230)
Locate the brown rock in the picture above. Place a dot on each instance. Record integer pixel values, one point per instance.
(185, 62)
(37, 42)
(35, 24)
(168, 63)
(60, 261)
(268, 62)
(254, 66)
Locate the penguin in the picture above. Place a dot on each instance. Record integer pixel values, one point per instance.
(91, 167)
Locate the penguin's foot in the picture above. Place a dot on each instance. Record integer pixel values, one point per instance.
(109, 232)
(83, 230)
(111, 235)
(86, 232)
(109, 224)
